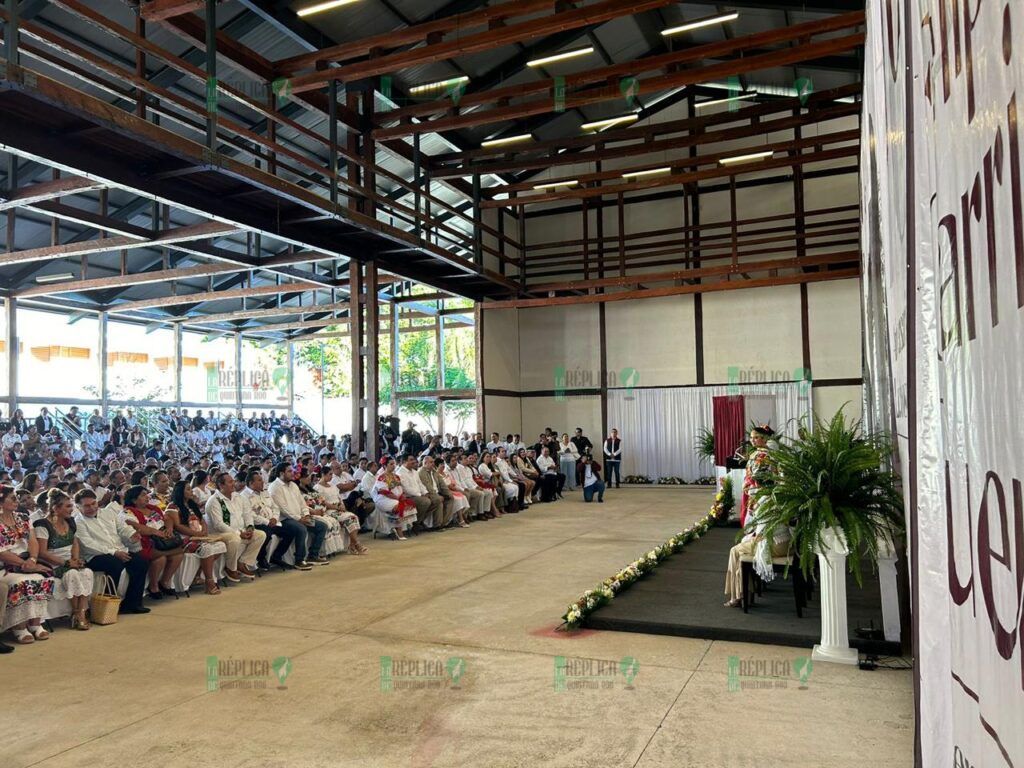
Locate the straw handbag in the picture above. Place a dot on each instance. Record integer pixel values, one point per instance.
(105, 605)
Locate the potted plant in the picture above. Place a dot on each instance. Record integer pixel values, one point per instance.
(705, 448)
(833, 488)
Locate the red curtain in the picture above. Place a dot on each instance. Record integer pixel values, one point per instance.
(728, 413)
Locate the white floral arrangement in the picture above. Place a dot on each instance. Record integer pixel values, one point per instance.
(606, 591)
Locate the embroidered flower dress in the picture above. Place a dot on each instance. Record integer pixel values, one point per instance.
(71, 582)
(28, 592)
(757, 465)
(387, 495)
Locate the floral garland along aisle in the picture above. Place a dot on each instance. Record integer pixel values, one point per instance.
(606, 591)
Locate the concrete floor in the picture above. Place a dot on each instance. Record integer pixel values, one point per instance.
(136, 693)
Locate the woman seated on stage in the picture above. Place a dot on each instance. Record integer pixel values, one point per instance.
(758, 476)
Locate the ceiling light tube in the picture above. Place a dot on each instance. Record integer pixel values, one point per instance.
(506, 140)
(726, 100)
(439, 84)
(746, 158)
(329, 5)
(648, 172)
(600, 125)
(55, 278)
(700, 23)
(553, 184)
(560, 57)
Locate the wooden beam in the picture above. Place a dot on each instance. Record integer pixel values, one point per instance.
(671, 81)
(158, 10)
(645, 143)
(138, 278)
(476, 43)
(420, 32)
(47, 190)
(676, 290)
(196, 298)
(678, 178)
(205, 230)
(662, 62)
(252, 314)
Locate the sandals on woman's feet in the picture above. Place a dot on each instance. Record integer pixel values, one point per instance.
(38, 632)
(212, 588)
(23, 636)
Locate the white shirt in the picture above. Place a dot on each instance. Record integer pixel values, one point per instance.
(465, 477)
(411, 483)
(288, 499)
(239, 511)
(589, 478)
(260, 505)
(104, 534)
(546, 464)
(569, 449)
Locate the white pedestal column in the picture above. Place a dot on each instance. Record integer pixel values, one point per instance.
(835, 638)
(889, 592)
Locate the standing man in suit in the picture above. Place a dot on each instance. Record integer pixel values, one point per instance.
(44, 421)
(583, 445)
(613, 457)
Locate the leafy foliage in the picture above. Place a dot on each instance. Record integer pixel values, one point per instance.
(833, 477)
(705, 447)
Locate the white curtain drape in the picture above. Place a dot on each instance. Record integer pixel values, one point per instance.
(659, 427)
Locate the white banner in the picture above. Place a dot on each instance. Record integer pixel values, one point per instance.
(965, 326)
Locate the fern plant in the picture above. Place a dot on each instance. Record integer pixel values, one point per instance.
(833, 477)
(705, 448)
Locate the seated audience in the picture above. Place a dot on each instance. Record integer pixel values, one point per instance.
(187, 519)
(59, 548)
(29, 583)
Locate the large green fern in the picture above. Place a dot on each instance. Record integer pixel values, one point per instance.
(833, 477)
(705, 447)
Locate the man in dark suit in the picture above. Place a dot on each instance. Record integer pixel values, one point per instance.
(412, 442)
(583, 445)
(44, 421)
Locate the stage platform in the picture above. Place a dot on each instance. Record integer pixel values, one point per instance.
(684, 597)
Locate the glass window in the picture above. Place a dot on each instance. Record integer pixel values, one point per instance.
(459, 354)
(417, 358)
(459, 416)
(140, 362)
(57, 355)
(422, 412)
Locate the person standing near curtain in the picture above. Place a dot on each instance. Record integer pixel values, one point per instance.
(757, 468)
(613, 457)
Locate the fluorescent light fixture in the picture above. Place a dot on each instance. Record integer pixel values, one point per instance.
(648, 172)
(600, 125)
(699, 23)
(329, 5)
(439, 84)
(726, 100)
(506, 140)
(553, 184)
(55, 278)
(560, 57)
(747, 158)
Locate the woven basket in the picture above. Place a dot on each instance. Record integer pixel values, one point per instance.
(105, 605)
